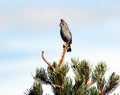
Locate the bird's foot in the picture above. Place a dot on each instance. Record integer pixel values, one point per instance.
(66, 45)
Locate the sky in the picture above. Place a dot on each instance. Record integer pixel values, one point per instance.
(29, 26)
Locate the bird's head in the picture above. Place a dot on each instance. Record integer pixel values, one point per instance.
(62, 23)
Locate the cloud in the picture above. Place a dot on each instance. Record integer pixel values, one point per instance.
(38, 18)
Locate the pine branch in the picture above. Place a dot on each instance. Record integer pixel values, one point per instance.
(58, 86)
(85, 77)
(113, 83)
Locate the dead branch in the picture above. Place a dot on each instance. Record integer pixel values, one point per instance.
(63, 54)
(48, 63)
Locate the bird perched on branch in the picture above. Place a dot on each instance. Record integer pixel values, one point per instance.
(66, 34)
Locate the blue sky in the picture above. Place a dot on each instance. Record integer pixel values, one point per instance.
(29, 26)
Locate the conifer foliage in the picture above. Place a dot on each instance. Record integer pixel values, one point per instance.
(88, 80)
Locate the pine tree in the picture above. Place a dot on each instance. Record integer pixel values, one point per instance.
(88, 80)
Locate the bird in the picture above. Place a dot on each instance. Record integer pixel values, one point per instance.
(65, 34)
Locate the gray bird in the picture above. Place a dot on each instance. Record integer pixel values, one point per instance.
(65, 34)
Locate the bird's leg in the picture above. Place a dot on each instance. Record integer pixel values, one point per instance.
(66, 45)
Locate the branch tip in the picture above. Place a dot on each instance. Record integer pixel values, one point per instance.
(48, 63)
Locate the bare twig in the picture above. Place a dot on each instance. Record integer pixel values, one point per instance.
(48, 63)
